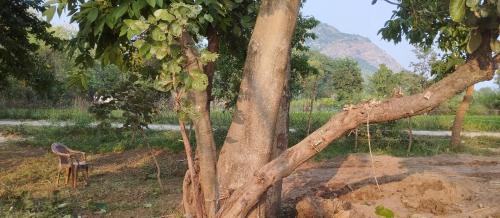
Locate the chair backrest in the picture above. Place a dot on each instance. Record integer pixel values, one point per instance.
(58, 148)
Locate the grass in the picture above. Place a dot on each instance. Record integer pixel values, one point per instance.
(222, 119)
(444, 122)
(96, 140)
(421, 146)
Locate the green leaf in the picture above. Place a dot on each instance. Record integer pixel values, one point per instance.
(472, 3)
(385, 212)
(92, 15)
(207, 56)
(176, 29)
(123, 29)
(163, 14)
(151, 2)
(111, 21)
(139, 43)
(137, 6)
(208, 18)
(200, 81)
(457, 10)
(121, 10)
(160, 52)
(474, 41)
(49, 13)
(159, 3)
(158, 35)
(144, 50)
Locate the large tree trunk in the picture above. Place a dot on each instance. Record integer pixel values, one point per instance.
(205, 144)
(270, 204)
(459, 117)
(479, 67)
(250, 142)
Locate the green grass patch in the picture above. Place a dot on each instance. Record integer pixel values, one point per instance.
(97, 140)
(444, 122)
(421, 146)
(222, 119)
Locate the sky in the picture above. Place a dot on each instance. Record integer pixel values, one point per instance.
(362, 18)
(355, 17)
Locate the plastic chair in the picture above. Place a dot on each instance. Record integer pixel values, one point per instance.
(71, 161)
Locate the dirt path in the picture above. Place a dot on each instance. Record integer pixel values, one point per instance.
(171, 127)
(439, 186)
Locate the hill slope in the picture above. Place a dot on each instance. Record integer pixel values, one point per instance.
(336, 44)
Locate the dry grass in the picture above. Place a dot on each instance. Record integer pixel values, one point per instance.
(121, 185)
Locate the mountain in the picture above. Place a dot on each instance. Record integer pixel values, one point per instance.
(335, 44)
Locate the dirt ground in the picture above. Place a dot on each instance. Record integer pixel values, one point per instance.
(123, 185)
(439, 186)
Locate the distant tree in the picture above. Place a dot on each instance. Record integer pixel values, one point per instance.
(488, 98)
(411, 83)
(346, 79)
(20, 33)
(425, 58)
(383, 82)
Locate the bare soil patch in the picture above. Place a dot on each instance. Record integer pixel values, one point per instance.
(439, 186)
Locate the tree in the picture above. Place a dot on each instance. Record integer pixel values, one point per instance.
(20, 30)
(426, 58)
(383, 82)
(347, 80)
(459, 36)
(248, 164)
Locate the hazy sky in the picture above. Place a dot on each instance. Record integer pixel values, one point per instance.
(362, 18)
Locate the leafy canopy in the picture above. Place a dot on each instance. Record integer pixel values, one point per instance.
(21, 33)
(454, 25)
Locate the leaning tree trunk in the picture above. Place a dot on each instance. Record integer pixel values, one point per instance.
(250, 142)
(460, 116)
(479, 67)
(205, 144)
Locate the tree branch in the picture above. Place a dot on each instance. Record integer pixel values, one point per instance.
(480, 68)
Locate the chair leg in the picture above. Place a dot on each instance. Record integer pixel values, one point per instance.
(58, 176)
(75, 176)
(68, 174)
(87, 174)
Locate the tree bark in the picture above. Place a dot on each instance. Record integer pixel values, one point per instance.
(209, 68)
(195, 186)
(460, 116)
(205, 144)
(250, 141)
(410, 137)
(311, 104)
(270, 204)
(478, 68)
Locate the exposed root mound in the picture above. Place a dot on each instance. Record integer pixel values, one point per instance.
(422, 193)
(419, 194)
(317, 207)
